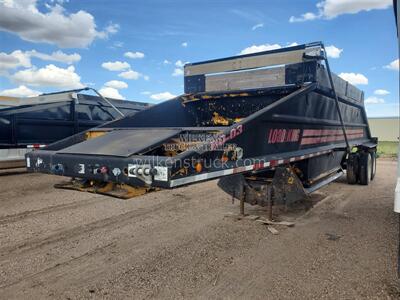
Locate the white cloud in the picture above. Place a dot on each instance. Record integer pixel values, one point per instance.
(394, 65)
(110, 92)
(50, 76)
(333, 51)
(21, 91)
(134, 55)
(381, 92)
(19, 58)
(116, 84)
(15, 59)
(115, 65)
(177, 72)
(118, 44)
(166, 62)
(57, 26)
(131, 74)
(180, 64)
(333, 8)
(354, 78)
(259, 25)
(145, 77)
(58, 56)
(146, 93)
(162, 96)
(374, 100)
(110, 29)
(260, 48)
(329, 9)
(304, 17)
(184, 44)
(58, 1)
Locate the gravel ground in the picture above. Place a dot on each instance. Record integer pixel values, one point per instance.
(178, 244)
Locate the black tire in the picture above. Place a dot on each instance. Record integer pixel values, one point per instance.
(352, 168)
(373, 171)
(365, 167)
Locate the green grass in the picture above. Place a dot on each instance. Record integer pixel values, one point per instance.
(388, 149)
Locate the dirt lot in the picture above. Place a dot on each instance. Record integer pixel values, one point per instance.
(178, 244)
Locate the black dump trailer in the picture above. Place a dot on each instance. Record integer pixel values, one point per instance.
(272, 126)
(27, 123)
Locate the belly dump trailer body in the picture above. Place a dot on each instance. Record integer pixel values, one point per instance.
(271, 125)
(34, 122)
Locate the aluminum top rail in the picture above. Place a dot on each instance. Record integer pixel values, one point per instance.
(282, 56)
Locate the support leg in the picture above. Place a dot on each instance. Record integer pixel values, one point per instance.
(242, 204)
(269, 199)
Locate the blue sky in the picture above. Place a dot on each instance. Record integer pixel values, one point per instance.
(136, 49)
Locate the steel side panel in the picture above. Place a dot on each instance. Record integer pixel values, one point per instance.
(121, 143)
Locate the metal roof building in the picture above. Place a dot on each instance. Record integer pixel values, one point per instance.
(385, 128)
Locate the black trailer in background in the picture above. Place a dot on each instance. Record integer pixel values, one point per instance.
(35, 122)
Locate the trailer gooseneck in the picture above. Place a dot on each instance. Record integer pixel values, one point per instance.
(273, 126)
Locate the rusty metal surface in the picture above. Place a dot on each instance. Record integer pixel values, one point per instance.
(121, 191)
(287, 186)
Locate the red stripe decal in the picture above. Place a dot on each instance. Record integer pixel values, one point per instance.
(258, 166)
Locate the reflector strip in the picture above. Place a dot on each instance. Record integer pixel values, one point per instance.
(319, 132)
(242, 169)
(36, 146)
(327, 138)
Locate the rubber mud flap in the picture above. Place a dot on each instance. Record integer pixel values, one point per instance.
(373, 164)
(352, 168)
(365, 167)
